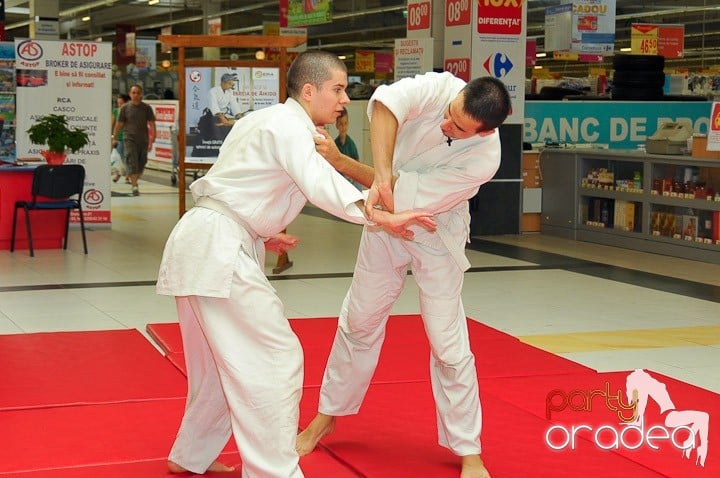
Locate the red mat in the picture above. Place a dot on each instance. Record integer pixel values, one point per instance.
(139, 469)
(117, 440)
(66, 368)
(178, 360)
(129, 424)
(166, 335)
(65, 437)
(394, 435)
(406, 352)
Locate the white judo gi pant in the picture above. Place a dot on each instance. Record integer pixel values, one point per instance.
(245, 372)
(377, 282)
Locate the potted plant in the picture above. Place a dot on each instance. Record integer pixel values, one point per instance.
(60, 138)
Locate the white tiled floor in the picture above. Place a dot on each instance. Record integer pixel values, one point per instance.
(112, 287)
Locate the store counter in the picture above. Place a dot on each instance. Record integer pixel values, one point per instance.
(48, 227)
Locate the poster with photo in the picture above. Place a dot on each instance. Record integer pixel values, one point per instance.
(7, 127)
(7, 102)
(7, 76)
(217, 97)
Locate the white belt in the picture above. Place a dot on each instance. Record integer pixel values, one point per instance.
(456, 252)
(224, 209)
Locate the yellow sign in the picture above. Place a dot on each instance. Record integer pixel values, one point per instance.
(365, 61)
(565, 55)
(644, 39)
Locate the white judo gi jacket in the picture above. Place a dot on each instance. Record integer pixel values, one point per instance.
(266, 171)
(433, 176)
(245, 364)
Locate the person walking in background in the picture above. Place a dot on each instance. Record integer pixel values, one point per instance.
(137, 122)
(345, 143)
(244, 362)
(434, 143)
(118, 166)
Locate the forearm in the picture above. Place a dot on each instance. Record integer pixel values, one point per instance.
(356, 170)
(116, 129)
(383, 131)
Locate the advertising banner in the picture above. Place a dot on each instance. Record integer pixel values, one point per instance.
(309, 12)
(413, 56)
(71, 78)
(713, 142)
(558, 27)
(124, 44)
(612, 124)
(216, 97)
(498, 48)
(365, 61)
(164, 148)
(145, 55)
(7, 102)
(593, 28)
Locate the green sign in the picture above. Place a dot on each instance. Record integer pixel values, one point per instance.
(309, 12)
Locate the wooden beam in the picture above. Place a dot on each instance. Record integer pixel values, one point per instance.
(233, 41)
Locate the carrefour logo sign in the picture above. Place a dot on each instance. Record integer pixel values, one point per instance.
(498, 65)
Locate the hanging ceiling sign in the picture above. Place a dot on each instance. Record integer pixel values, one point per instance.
(593, 26)
(309, 12)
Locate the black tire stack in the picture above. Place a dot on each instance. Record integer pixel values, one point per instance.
(638, 77)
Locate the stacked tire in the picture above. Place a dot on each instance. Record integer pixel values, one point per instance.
(638, 77)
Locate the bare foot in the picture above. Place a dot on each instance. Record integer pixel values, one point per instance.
(214, 466)
(473, 467)
(320, 426)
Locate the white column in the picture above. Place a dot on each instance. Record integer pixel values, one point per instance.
(209, 9)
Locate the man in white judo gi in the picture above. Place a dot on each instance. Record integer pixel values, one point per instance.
(434, 143)
(244, 363)
(222, 102)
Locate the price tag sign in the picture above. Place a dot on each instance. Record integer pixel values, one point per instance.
(418, 16)
(644, 39)
(459, 67)
(457, 12)
(665, 40)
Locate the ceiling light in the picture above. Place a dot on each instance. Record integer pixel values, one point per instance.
(342, 57)
(86, 18)
(153, 2)
(626, 49)
(540, 55)
(260, 55)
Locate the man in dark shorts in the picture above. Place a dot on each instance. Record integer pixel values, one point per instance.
(137, 121)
